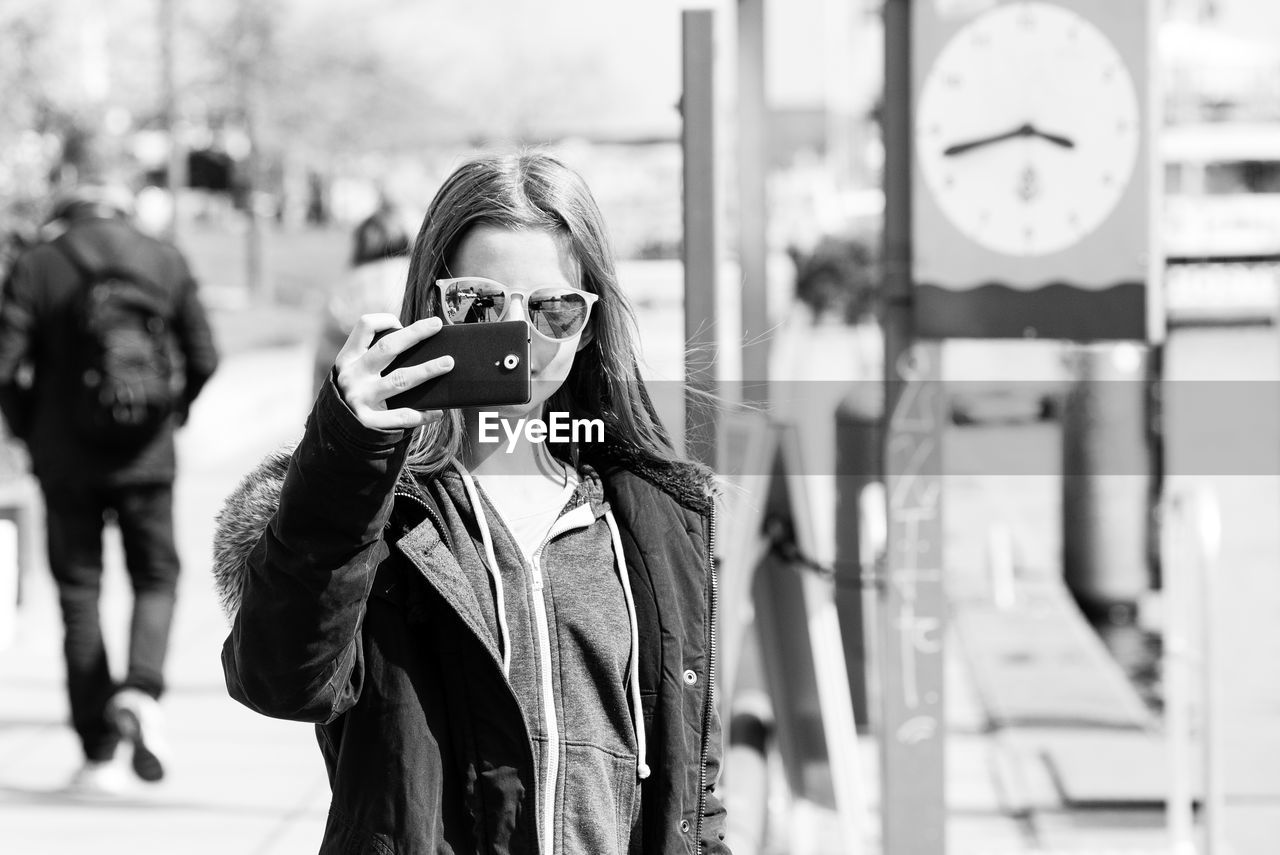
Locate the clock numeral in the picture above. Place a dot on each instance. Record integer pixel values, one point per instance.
(953, 81)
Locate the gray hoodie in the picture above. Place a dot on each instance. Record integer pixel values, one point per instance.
(564, 625)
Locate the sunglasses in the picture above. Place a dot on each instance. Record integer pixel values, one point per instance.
(554, 313)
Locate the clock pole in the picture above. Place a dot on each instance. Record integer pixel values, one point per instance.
(910, 604)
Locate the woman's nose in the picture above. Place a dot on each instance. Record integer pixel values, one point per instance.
(511, 308)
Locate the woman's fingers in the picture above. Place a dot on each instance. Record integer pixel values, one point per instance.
(406, 378)
(374, 342)
(361, 336)
(400, 419)
(380, 352)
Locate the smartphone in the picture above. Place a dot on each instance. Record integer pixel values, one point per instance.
(490, 367)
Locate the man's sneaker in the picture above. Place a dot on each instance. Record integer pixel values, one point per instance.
(97, 779)
(137, 717)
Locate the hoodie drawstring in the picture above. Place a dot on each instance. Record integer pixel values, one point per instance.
(637, 711)
(491, 565)
(633, 670)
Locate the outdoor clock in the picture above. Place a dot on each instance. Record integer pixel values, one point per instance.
(1027, 128)
(1028, 148)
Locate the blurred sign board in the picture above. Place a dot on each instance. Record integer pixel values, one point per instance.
(1224, 291)
(1032, 184)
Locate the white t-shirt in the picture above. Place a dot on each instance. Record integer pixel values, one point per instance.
(530, 529)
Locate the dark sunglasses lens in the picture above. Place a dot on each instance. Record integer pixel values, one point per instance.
(474, 302)
(558, 316)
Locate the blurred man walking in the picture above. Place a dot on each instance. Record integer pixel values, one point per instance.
(103, 347)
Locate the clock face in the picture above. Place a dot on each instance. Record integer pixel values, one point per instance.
(1027, 128)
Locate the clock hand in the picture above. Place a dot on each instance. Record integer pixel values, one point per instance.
(1026, 130)
(1065, 142)
(970, 145)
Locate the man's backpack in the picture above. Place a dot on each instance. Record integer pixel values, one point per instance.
(121, 355)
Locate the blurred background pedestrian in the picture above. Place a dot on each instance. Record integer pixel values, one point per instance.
(375, 282)
(117, 345)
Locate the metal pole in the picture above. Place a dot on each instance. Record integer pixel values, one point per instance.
(896, 320)
(753, 248)
(700, 230)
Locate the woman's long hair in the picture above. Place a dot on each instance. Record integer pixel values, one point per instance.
(536, 191)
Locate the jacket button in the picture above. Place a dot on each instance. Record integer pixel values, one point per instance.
(684, 826)
(690, 677)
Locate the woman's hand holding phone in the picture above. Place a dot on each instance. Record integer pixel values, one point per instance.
(362, 360)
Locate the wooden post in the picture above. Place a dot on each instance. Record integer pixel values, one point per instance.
(700, 230)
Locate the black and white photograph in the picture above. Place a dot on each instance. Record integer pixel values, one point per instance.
(694, 427)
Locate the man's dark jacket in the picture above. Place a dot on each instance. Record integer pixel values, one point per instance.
(346, 607)
(37, 326)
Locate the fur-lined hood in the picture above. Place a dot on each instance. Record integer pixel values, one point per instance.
(248, 510)
(239, 525)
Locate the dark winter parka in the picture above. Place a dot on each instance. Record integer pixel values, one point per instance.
(349, 611)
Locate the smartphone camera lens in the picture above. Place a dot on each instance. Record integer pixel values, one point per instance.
(510, 361)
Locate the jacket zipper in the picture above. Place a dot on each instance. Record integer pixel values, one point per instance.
(431, 512)
(708, 707)
(550, 717)
(548, 700)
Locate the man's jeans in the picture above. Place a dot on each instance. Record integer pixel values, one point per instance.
(75, 518)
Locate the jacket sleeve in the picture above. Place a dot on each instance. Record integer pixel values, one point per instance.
(17, 337)
(195, 338)
(295, 650)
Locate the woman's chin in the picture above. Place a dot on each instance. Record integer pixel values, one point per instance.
(517, 411)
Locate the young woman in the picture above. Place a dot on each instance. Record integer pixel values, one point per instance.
(503, 652)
